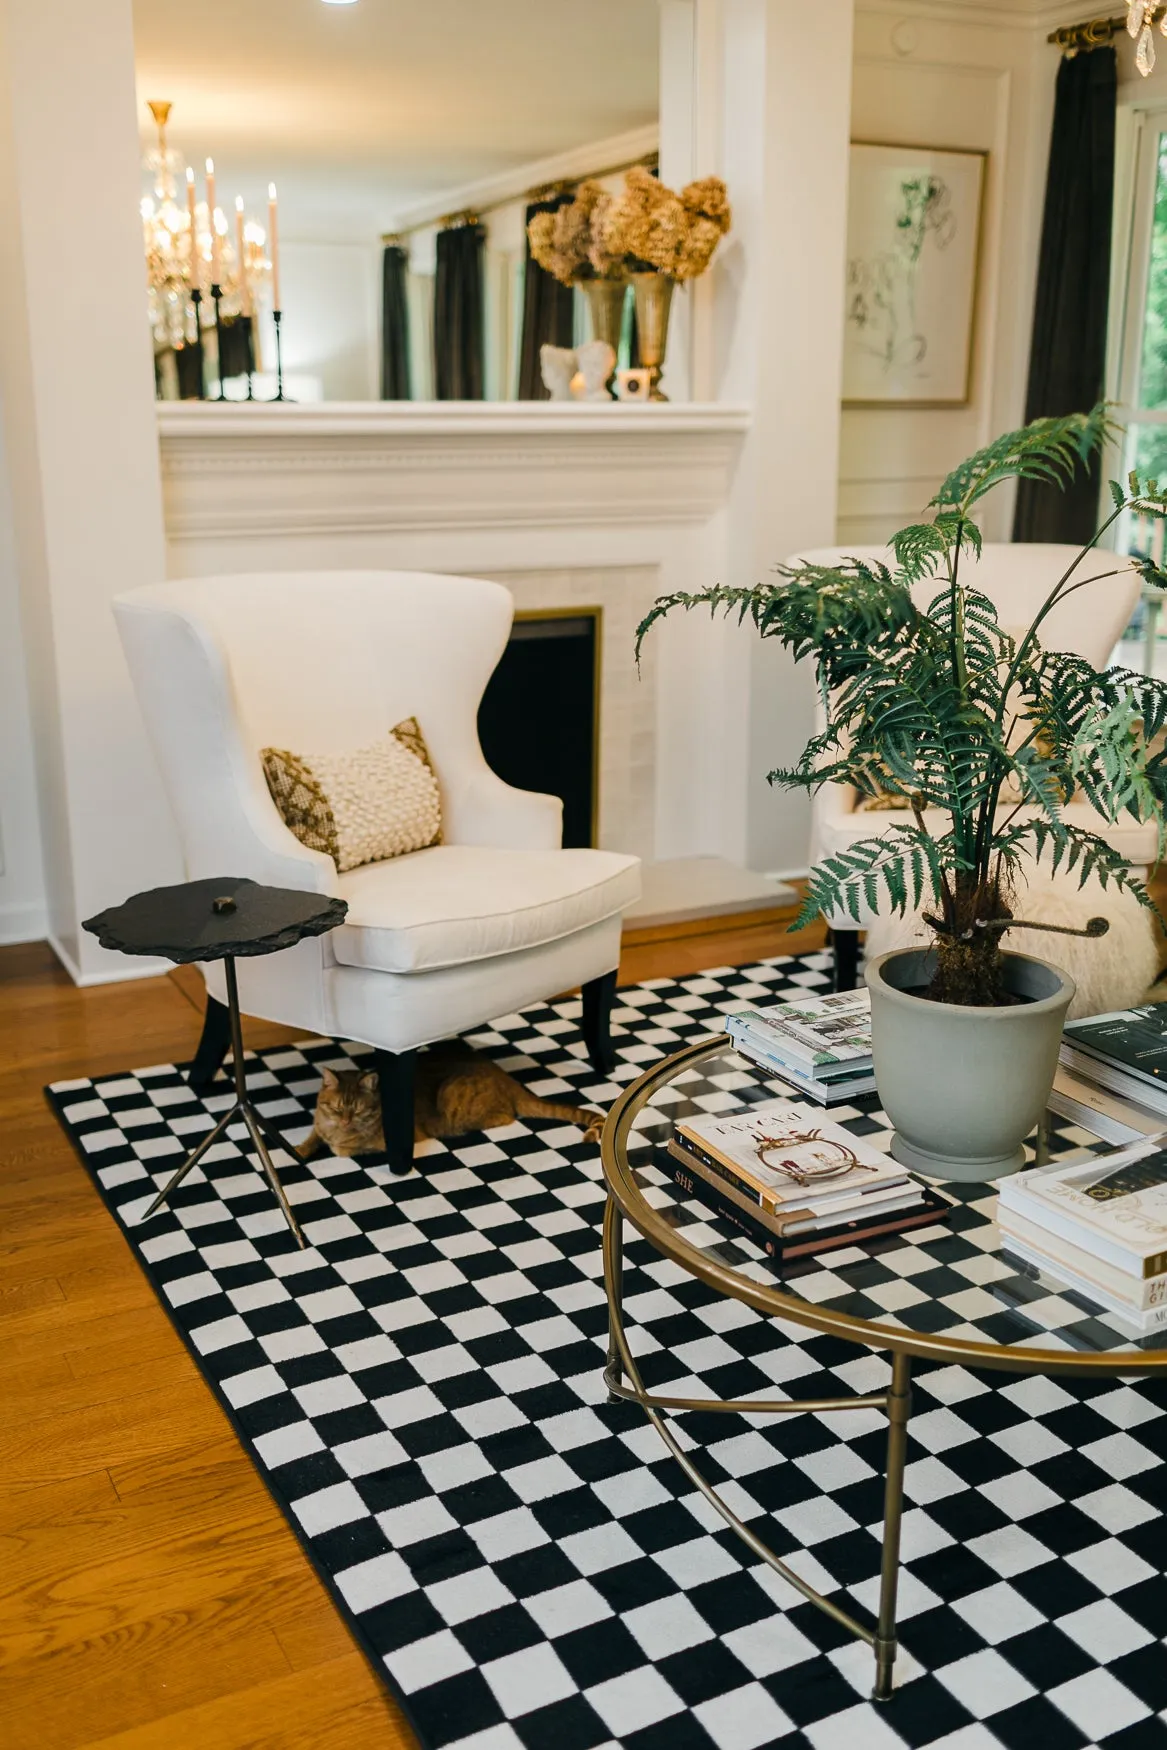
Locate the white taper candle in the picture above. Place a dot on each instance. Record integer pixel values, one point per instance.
(273, 244)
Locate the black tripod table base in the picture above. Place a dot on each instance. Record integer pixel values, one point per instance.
(263, 1138)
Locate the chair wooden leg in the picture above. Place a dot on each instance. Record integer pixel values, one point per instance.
(213, 1046)
(845, 944)
(395, 1071)
(597, 1015)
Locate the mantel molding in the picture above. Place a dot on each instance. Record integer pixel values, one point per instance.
(253, 470)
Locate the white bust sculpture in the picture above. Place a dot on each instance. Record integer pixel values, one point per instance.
(596, 360)
(557, 365)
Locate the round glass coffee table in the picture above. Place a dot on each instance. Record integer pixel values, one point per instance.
(949, 1292)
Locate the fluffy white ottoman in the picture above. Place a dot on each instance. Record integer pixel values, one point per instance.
(1114, 971)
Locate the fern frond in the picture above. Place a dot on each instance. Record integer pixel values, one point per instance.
(1051, 450)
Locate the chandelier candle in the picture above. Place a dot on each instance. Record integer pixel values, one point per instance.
(241, 251)
(196, 273)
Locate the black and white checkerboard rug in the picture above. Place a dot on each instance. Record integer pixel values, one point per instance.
(523, 1563)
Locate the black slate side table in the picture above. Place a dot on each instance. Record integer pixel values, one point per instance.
(222, 918)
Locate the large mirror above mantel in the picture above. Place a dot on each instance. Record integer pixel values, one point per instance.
(375, 168)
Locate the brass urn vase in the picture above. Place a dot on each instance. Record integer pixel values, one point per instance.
(606, 308)
(654, 295)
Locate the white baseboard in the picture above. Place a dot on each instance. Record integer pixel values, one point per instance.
(785, 874)
(134, 967)
(23, 923)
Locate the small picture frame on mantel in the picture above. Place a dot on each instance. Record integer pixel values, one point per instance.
(913, 257)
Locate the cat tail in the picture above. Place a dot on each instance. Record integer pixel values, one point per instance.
(528, 1105)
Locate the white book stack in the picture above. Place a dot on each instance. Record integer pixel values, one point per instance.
(1099, 1226)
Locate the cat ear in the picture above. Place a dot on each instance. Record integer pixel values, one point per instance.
(370, 1081)
(328, 1078)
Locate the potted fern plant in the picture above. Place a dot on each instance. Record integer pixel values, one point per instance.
(936, 703)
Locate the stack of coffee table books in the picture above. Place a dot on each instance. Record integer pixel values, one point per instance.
(820, 1046)
(1099, 1226)
(794, 1183)
(1113, 1074)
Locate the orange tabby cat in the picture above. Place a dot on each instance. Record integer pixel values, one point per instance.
(455, 1091)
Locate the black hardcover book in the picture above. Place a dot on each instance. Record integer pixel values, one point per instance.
(1133, 1040)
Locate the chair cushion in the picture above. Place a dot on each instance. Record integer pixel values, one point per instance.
(456, 903)
(1136, 841)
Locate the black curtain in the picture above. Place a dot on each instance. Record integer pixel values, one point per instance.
(1068, 353)
(394, 325)
(548, 314)
(236, 356)
(459, 342)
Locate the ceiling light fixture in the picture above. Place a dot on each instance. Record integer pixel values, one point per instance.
(340, 2)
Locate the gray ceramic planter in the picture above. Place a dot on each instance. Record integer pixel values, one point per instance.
(964, 1087)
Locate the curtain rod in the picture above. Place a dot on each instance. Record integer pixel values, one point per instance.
(1094, 33)
(546, 191)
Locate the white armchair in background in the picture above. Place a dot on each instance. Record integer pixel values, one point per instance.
(495, 917)
(1016, 577)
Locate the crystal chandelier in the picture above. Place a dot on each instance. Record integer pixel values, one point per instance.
(1140, 16)
(189, 250)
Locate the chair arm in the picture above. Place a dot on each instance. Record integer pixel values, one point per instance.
(483, 810)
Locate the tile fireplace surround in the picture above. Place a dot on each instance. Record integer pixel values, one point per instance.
(589, 506)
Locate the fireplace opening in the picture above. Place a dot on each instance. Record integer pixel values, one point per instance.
(539, 718)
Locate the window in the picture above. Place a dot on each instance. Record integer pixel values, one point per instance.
(1141, 361)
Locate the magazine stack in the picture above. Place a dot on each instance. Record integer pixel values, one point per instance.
(820, 1046)
(1125, 1052)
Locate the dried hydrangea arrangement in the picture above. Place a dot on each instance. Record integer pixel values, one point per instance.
(646, 229)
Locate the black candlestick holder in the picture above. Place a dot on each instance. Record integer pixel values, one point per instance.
(277, 318)
(196, 299)
(249, 342)
(217, 297)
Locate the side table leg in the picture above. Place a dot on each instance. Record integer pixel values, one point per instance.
(613, 1285)
(270, 1173)
(192, 1160)
(899, 1405)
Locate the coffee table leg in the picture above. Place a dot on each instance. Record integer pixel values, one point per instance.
(613, 1285)
(899, 1405)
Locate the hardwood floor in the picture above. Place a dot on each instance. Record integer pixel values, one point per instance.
(152, 1596)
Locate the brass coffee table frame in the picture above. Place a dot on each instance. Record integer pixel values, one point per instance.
(626, 1200)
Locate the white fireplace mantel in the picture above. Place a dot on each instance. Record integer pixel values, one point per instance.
(255, 469)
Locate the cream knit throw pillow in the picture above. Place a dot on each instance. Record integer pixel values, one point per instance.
(360, 807)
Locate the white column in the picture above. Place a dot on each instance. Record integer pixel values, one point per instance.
(76, 381)
(767, 106)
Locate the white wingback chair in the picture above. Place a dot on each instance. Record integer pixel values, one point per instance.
(1016, 577)
(495, 917)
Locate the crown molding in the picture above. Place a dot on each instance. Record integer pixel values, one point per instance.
(1023, 15)
(508, 185)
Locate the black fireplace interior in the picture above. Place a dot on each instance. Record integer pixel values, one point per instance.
(537, 721)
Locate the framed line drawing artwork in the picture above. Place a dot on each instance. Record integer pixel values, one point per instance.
(913, 254)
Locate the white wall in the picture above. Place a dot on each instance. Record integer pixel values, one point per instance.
(82, 452)
(23, 917)
(969, 84)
